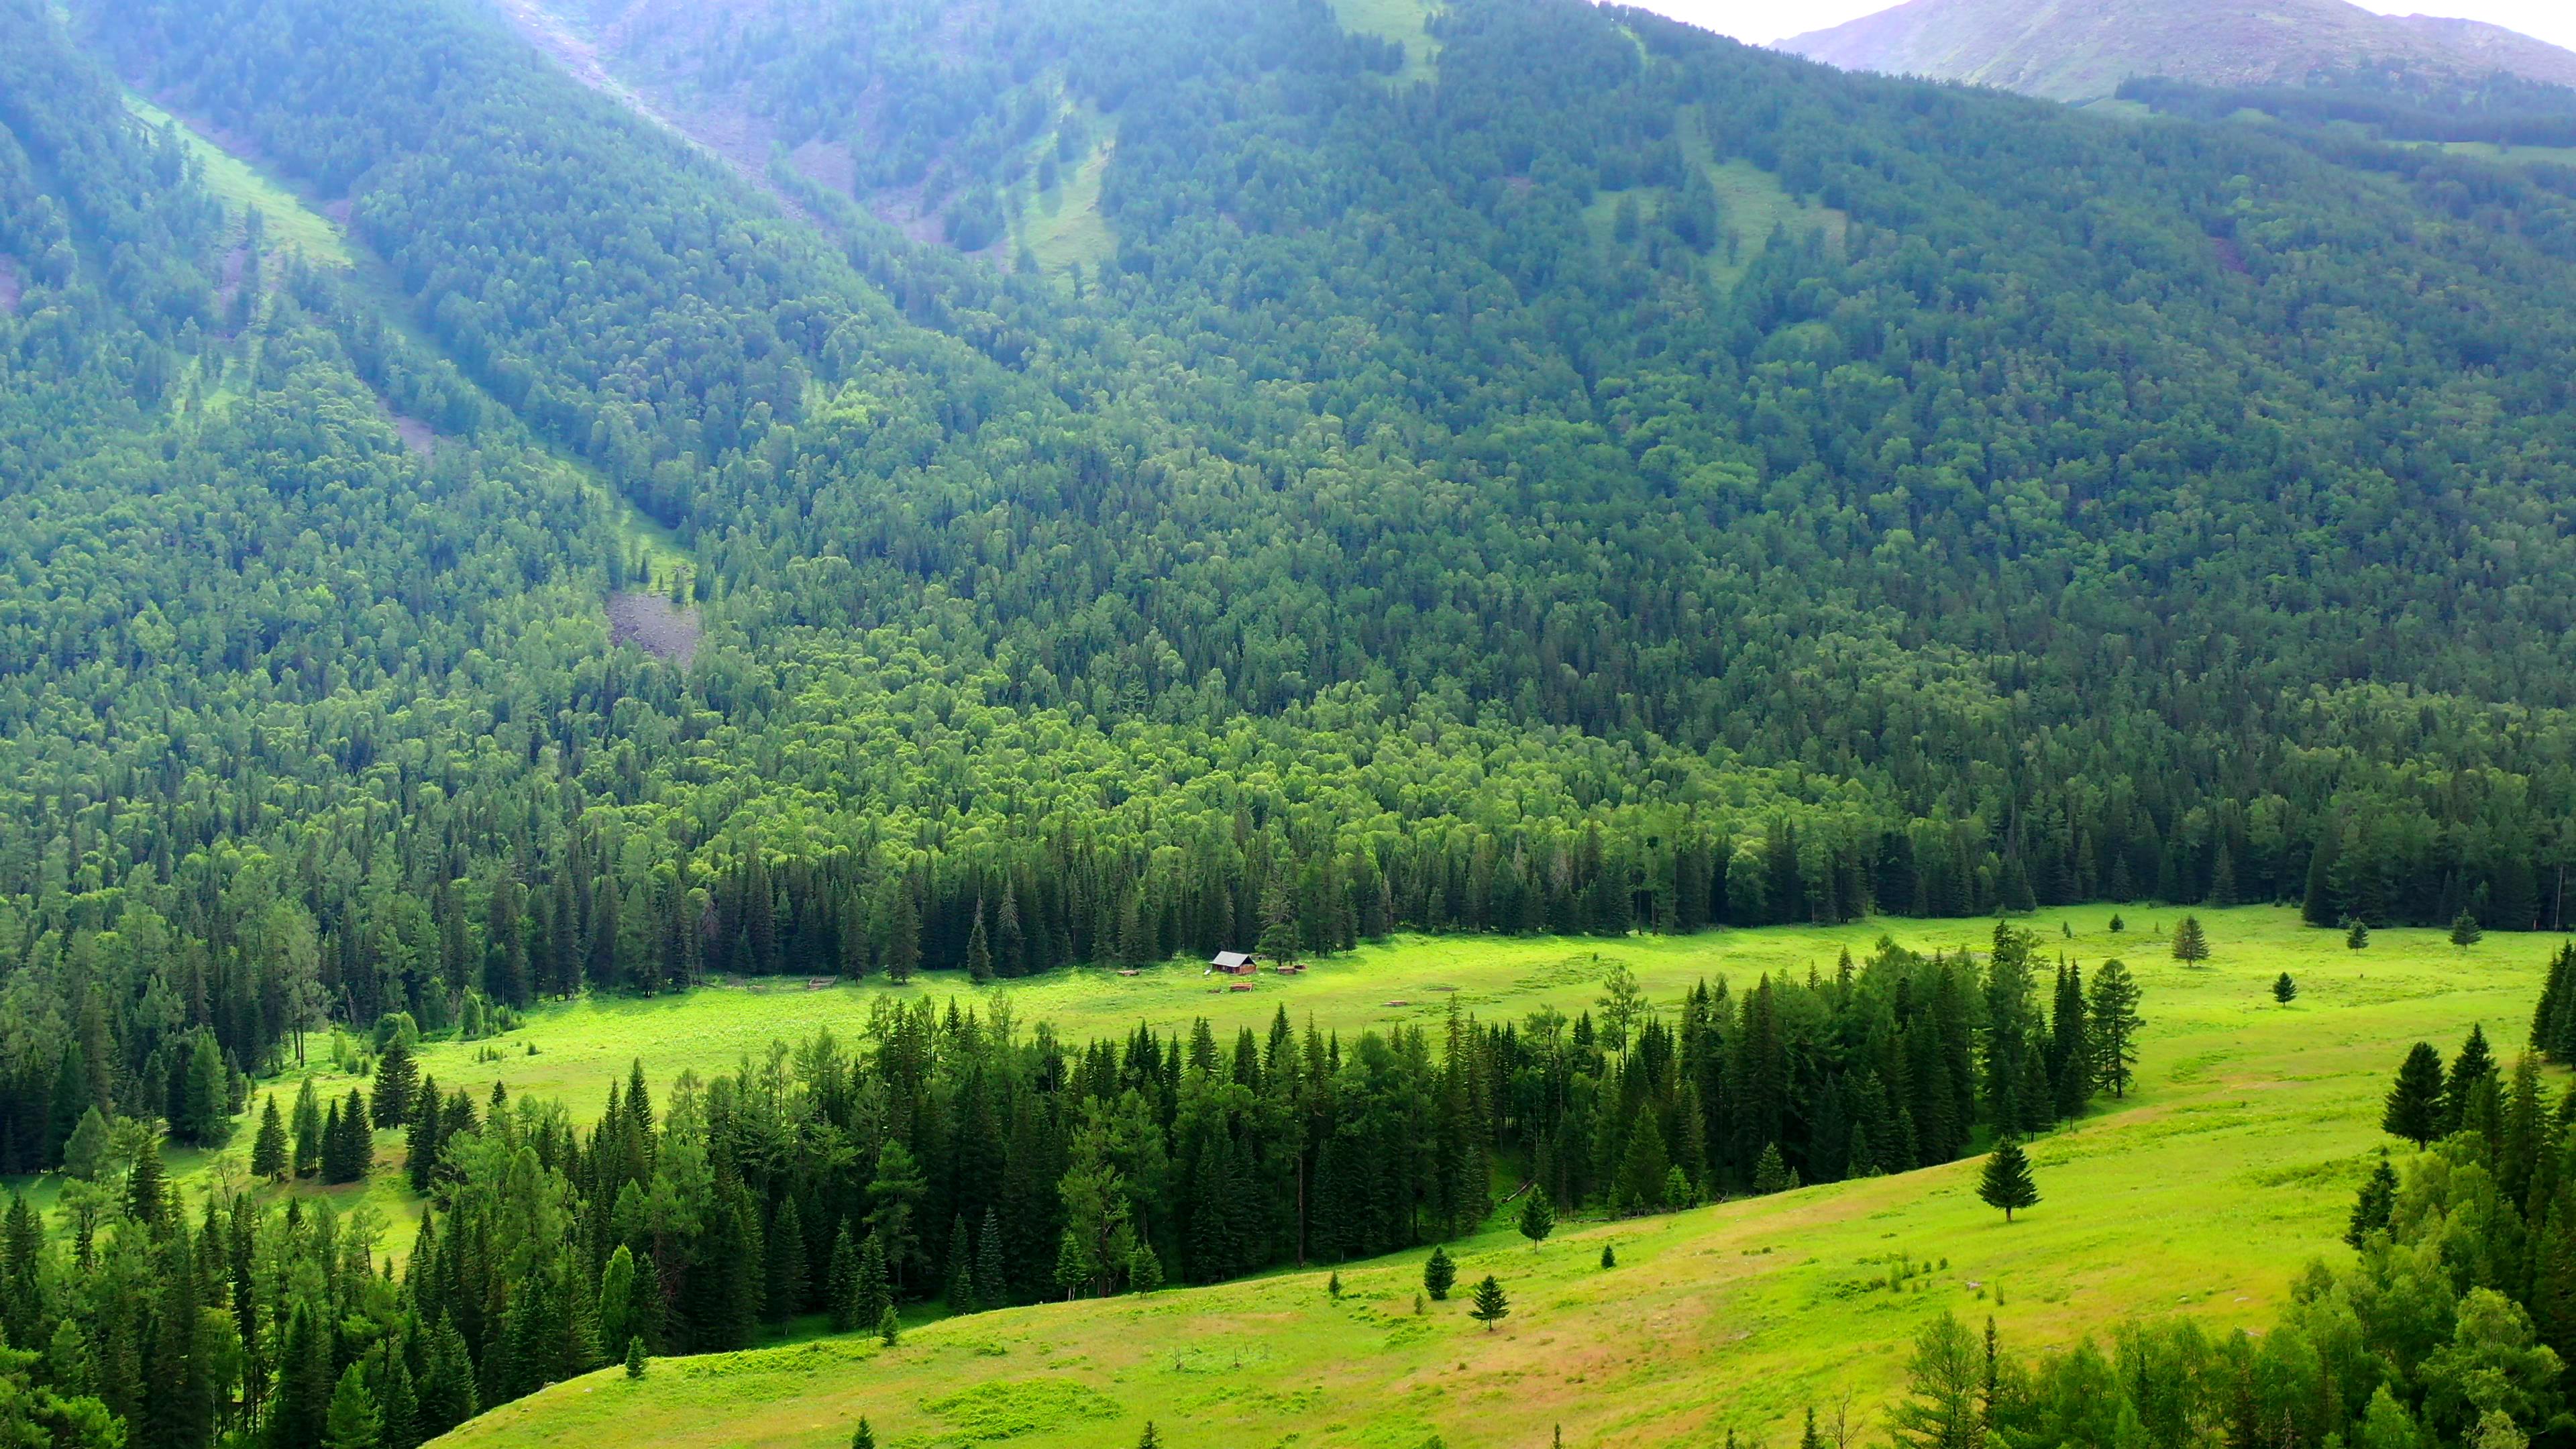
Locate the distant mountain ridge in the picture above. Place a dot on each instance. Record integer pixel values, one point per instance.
(2082, 49)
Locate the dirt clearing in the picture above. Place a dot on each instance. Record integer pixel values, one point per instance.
(654, 624)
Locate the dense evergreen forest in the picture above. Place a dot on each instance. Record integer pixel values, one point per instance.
(2064, 510)
(981, 1163)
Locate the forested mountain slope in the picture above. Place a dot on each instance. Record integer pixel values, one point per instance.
(2074, 50)
(1437, 503)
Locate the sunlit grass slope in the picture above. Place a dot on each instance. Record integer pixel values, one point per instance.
(2230, 1166)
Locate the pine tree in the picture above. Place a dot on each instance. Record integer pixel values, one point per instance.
(352, 1421)
(2473, 1068)
(1538, 1217)
(2190, 943)
(616, 1294)
(2553, 1021)
(2465, 931)
(1144, 1269)
(2007, 1182)
(397, 1083)
(786, 1264)
(636, 1359)
(1438, 1273)
(2115, 1027)
(1771, 1173)
(1149, 1439)
(1333, 1287)
(2284, 990)
(2378, 1194)
(889, 1327)
(2357, 935)
(841, 1287)
(992, 1282)
(979, 950)
(1609, 1256)
(147, 1184)
(268, 1151)
(85, 1153)
(1492, 1306)
(961, 1269)
(863, 1437)
(2414, 1109)
(202, 1115)
(876, 1294)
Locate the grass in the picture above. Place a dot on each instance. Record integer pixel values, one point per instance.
(1406, 22)
(291, 225)
(1061, 225)
(2231, 1165)
(2518, 155)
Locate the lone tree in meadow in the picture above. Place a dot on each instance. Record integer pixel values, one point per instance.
(2007, 1182)
(268, 1153)
(1609, 1256)
(2284, 990)
(2115, 1024)
(635, 1357)
(1538, 1218)
(2414, 1109)
(2465, 931)
(1438, 1274)
(1491, 1306)
(863, 1437)
(2356, 935)
(2190, 943)
(2378, 1195)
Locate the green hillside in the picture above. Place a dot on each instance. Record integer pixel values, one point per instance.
(1565, 527)
(2201, 1196)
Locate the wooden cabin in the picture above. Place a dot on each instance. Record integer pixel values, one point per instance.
(1234, 963)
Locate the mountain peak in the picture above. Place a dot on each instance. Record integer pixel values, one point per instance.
(2082, 49)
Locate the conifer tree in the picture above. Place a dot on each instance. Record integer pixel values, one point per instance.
(961, 1269)
(147, 1185)
(268, 1151)
(2284, 990)
(863, 1437)
(2465, 930)
(2115, 1024)
(876, 1294)
(1492, 1306)
(2553, 1021)
(1439, 1271)
(2473, 1068)
(636, 1359)
(889, 1327)
(1609, 1256)
(841, 1287)
(352, 1421)
(2371, 1209)
(85, 1153)
(616, 1293)
(2356, 935)
(202, 1111)
(979, 950)
(1538, 1217)
(397, 1082)
(2414, 1106)
(1771, 1173)
(2007, 1182)
(2190, 942)
(1149, 1439)
(306, 1124)
(1144, 1269)
(398, 1403)
(992, 1281)
(786, 1264)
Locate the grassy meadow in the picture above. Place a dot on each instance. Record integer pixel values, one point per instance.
(2230, 1166)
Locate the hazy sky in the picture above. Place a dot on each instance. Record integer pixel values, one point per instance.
(1765, 20)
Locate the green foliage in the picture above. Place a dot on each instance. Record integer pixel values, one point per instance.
(2006, 1181)
(2372, 1207)
(2190, 942)
(2284, 990)
(1439, 1272)
(2465, 930)
(1492, 1304)
(1537, 1219)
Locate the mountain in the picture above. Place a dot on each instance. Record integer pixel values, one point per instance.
(2076, 50)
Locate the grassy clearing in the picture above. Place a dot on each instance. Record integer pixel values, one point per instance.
(1406, 22)
(1061, 225)
(2230, 1166)
(2513, 155)
(1752, 204)
(291, 225)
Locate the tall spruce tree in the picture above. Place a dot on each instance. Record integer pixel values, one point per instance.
(1439, 1271)
(2115, 1024)
(2190, 942)
(397, 1083)
(1492, 1304)
(2370, 1209)
(2414, 1104)
(268, 1151)
(2007, 1182)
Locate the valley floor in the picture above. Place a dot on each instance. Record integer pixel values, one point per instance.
(2231, 1165)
